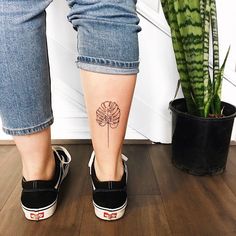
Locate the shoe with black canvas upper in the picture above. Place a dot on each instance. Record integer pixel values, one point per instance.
(109, 197)
(39, 197)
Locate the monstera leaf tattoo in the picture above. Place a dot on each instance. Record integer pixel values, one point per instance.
(108, 114)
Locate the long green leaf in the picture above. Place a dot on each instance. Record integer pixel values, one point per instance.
(218, 86)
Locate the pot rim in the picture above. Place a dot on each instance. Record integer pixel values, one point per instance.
(181, 113)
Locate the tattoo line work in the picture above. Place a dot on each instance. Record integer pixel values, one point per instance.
(108, 114)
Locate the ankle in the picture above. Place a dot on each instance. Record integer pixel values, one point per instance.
(44, 171)
(109, 171)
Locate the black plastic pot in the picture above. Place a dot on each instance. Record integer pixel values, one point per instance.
(200, 145)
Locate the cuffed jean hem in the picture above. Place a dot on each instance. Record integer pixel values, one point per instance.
(29, 130)
(107, 66)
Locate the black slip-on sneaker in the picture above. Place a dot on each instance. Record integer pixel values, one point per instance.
(109, 197)
(39, 197)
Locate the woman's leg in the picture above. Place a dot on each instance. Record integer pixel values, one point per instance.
(108, 130)
(25, 106)
(108, 59)
(36, 155)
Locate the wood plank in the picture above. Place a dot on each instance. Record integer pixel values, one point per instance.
(229, 176)
(194, 205)
(10, 169)
(141, 175)
(144, 216)
(5, 152)
(78, 178)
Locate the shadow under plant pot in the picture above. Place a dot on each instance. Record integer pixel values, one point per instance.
(200, 145)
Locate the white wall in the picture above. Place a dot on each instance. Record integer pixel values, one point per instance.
(149, 117)
(153, 4)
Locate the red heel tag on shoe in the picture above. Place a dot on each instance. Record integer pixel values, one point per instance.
(37, 216)
(110, 216)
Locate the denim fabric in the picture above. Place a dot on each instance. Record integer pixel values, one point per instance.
(107, 43)
(107, 35)
(25, 99)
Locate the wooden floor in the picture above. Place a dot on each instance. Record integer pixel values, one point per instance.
(162, 199)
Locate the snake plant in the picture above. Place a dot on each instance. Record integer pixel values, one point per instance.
(191, 23)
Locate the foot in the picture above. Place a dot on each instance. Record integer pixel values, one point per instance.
(109, 197)
(39, 197)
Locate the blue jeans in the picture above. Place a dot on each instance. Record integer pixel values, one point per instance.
(107, 43)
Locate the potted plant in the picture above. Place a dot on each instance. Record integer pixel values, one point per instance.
(201, 122)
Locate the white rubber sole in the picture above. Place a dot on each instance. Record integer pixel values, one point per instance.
(109, 214)
(39, 214)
